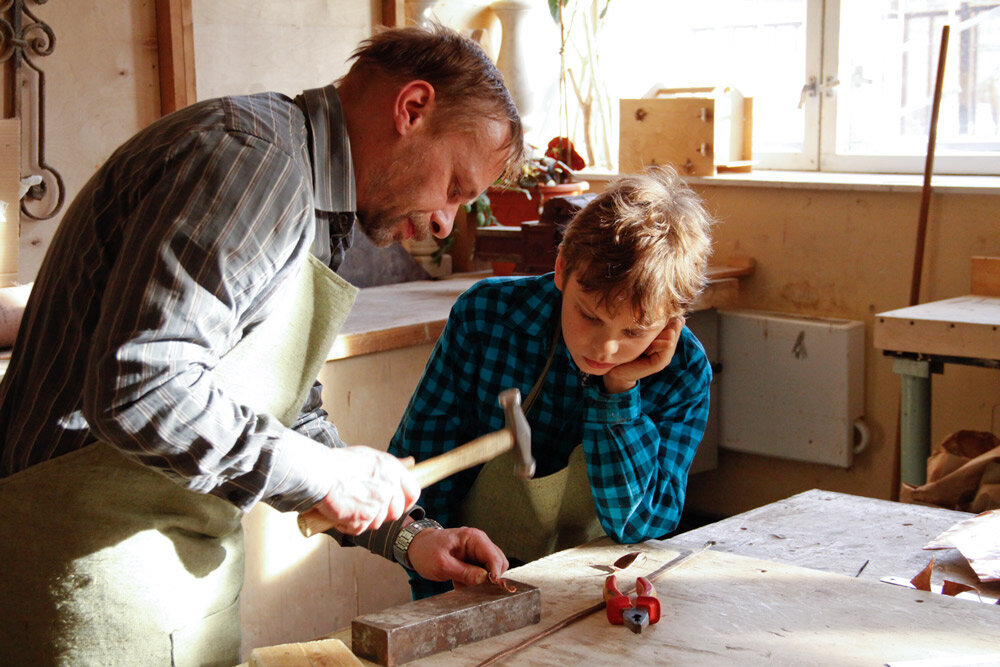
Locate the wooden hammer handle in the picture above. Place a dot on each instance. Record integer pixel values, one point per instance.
(472, 453)
(482, 449)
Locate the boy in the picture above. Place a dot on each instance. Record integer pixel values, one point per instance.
(617, 388)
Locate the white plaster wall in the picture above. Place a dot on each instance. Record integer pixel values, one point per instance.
(254, 46)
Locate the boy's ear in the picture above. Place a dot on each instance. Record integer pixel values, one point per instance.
(560, 277)
(413, 106)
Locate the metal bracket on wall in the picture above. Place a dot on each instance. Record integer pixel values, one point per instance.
(22, 37)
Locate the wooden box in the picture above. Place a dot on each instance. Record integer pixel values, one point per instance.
(700, 131)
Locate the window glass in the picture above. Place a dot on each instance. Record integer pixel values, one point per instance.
(756, 46)
(840, 85)
(888, 53)
(625, 49)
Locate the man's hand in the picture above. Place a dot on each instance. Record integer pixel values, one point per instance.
(463, 555)
(654, 359)
(369, 488)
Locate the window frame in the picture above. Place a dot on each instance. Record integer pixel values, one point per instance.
(832, 161)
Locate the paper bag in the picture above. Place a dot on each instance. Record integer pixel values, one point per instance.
(963, 473)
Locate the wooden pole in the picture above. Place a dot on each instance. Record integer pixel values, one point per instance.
(925, 196)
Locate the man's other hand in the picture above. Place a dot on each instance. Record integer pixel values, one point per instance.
(463, 555)
(369, 488)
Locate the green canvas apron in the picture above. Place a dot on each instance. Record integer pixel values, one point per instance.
(106, 562)
(532, 518)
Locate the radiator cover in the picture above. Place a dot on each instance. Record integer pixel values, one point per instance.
(791, 387)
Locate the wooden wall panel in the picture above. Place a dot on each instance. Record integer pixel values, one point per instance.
(10, 158)
(101, 88)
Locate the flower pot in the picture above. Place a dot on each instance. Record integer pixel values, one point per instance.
(503, 268)
(512, 207)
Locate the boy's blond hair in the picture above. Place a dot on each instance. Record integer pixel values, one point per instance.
(644, 241)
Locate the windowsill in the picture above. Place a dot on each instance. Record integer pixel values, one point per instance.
(816, 180)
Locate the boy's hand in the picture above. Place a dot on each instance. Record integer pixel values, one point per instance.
(656, 357)
(463, 555)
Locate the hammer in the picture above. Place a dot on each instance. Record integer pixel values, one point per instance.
(516, 435)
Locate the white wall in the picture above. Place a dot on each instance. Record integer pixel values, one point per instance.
(251, 47)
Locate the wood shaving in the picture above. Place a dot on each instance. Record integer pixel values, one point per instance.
(629, 559)
(502, 583)
(922, 582)
(953, 588)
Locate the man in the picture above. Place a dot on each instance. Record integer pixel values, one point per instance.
(147, 405)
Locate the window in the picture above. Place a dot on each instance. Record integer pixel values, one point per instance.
(840, 85)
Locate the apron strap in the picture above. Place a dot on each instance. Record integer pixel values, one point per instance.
(529, 401)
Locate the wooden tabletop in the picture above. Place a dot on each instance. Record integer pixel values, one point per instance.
(839, 533)
(747, 599)
(964, 326)
(725, 609)
(412, 313)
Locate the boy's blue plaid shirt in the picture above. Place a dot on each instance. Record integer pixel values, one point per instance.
(638, 444)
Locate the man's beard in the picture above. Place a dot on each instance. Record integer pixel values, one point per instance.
(379, 227)
(387, 189)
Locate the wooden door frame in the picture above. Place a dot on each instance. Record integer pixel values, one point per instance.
(175, 54)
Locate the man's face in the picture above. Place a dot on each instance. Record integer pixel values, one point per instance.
(599, 339)
(427, 177)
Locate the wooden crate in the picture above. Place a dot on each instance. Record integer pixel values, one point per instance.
(700, 131)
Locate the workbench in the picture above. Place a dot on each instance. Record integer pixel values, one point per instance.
(791, 583)
(921, 339)
(371, 371)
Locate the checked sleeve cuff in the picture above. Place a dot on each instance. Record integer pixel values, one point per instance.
(604, 408)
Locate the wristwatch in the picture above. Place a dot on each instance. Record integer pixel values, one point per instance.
(405, 536)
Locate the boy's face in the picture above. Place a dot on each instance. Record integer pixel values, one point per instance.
(598, 339)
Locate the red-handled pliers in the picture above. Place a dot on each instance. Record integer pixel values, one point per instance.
(623, 611)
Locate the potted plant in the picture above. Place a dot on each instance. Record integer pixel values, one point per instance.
(542, 177)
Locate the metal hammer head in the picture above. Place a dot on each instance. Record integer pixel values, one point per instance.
(517, 424)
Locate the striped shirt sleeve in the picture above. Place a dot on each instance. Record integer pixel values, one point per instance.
(208, 244)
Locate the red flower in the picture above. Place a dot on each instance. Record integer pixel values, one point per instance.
(562, 149)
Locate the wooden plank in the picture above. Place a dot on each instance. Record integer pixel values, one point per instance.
(393, 316)
(721, 293)
(393, 13)
(175, 51)
(723, 609)
(986, 276)
(353, 345)
(966, 326)
(734, 267)
(10, 222)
